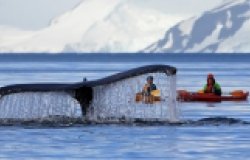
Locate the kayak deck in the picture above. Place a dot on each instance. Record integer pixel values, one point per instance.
(147, 99)
(209, 97)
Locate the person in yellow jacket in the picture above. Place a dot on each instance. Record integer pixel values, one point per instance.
(149, 93)
(149, 86)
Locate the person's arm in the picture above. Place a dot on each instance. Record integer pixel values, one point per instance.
(217, 89)
(154, 87)
(205, 88)
(145, 88)
(217, 86)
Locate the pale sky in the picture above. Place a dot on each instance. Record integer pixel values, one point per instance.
(180, 6)
(32, 14)
(36, 14)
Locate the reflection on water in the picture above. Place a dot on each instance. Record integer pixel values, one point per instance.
(126, 142)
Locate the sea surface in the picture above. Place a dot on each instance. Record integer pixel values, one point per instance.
(212, 130)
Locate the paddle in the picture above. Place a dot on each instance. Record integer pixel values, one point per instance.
(237, 93)
(156, 93)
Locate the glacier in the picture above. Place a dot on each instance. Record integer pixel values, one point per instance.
(224, 29)
(92, 26)
(121, 26)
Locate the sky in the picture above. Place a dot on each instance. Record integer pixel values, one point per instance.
(33, 14)
(193, 7)
(37, 14)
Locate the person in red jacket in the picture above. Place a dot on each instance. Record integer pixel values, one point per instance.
(212, 86)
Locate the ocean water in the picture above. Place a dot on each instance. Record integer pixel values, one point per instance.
(212, 130)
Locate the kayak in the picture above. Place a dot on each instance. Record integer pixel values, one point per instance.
(152, 98)
(186, 96)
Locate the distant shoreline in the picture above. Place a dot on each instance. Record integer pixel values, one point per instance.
(124, 57)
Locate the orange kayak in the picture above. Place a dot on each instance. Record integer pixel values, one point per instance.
(186, 96)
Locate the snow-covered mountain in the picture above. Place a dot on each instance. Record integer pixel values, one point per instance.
(65, 29)
(123, 30)
(223, 29)
(93, 26)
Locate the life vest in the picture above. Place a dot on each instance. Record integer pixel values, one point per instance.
(148, 89)
(210, 89)
(216, 89)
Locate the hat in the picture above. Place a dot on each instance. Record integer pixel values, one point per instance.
(150, 78)
(210, 75)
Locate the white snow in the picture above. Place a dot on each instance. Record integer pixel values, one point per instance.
(228, 4)
(68, 28)
(239, 42)
(107, 26)
(101, 26)
(10, 36)
(229, 23)
(229, 36)
(125, 31)
(94, 26)
(169, 43)
(213, 38)
(187, 25)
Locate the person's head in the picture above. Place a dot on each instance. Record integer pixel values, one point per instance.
(210, 79)
(150, 79)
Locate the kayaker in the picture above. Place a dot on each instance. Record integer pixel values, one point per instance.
(149, 86)
(212, 86)
(149, 93)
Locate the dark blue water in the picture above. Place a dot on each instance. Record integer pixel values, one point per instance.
(199, 139)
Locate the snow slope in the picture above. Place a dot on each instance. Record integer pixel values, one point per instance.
(67, 28)
(124, 31)
(93, 26)
(223, 29)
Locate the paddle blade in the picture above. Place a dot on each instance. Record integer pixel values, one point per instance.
(237, 93)
(156, 93)
(200, 91)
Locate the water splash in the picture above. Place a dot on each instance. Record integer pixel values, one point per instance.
(33, 105)
(114, 101)
(173, 110)
(117, 100)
